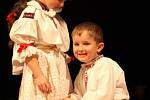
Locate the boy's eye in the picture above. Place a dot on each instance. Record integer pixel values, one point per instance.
(75, 44)
(86, 43)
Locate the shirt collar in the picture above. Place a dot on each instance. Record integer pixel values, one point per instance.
(92, 62)
(39, 5)
(44, 7)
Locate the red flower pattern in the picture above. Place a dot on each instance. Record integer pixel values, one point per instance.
(11, 17)
(23, 47)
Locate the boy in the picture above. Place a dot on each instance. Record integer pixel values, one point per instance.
(100, 78)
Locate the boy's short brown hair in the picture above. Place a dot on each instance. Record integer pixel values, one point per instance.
(93, 29)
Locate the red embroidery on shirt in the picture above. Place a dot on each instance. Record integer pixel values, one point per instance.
(72, 58)
(85, 77)
(23, 47)
(87, 66)
(28, 15)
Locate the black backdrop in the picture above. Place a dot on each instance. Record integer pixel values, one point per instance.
(124, 33)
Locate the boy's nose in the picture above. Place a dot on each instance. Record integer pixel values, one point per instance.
(80, 48)
(61, 3)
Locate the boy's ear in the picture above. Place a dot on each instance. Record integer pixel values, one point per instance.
(100, 47)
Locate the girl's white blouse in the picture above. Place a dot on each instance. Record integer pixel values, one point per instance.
(42, 28)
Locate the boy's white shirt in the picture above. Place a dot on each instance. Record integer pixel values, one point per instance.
(106, 81)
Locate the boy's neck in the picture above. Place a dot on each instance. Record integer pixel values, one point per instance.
(92, 62)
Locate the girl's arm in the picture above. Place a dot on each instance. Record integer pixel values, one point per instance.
(40, 80)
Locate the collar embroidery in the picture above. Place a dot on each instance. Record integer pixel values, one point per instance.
(92, 62)
(87, 66)
(39, 5)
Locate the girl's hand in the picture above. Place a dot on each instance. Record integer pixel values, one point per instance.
(42, 83)
(67, 98)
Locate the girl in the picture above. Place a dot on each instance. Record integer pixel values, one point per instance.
(41, 37)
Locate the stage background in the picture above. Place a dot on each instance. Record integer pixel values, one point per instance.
(125, 33)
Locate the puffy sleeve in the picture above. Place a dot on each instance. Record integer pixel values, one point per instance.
(24, 34)
(18, 58)
(24, 31)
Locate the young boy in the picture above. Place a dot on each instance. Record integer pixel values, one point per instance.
(100, 78)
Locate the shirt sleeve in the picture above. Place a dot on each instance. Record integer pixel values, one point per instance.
(24, 34)
(18, 58)
(78, 89)
(24, 30)
(121, 91)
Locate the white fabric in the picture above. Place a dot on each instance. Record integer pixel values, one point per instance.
(45, 28)
(106, 81)
(42, 29)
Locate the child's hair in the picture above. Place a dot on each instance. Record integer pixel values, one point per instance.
(93, 29)
(15, 12)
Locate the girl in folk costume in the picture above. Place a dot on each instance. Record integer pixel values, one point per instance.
(41, 39)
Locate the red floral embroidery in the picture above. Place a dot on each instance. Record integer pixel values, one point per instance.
(11, 17)
(23, 47)
(85, 78)
(72, 58)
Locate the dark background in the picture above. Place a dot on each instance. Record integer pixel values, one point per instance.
(126, 41)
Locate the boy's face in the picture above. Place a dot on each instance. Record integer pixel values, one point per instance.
(85, 47)
(55, 4)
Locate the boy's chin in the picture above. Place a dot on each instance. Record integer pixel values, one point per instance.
(58, 10)
(82, 60)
